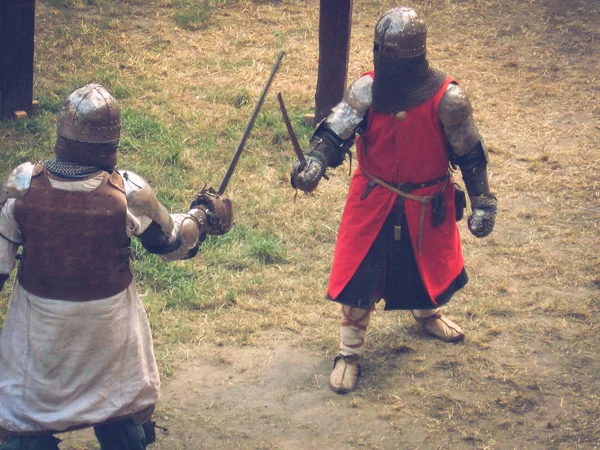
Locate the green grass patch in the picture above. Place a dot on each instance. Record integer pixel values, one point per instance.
(191, 15)
(182, 286)
(154, 150)
(26, 140)
(65, 3)
(176, 282)
(243, 247)
(68, 4)
(267, 250)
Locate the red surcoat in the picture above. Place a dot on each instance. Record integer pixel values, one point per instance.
(410, 151)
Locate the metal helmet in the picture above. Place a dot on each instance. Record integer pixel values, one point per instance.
(403, 78)
(89, 127)
(400, 32)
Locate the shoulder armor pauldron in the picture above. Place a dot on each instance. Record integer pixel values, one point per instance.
(142, 201)
(17, 183)
(348, 114)
(456, 114)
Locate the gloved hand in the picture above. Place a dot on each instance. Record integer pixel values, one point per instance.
(485, 208)
(217, 209)
(307, 178)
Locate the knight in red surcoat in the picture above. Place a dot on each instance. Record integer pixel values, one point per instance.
(398, 238)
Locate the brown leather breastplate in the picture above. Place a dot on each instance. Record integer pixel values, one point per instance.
(74, 243)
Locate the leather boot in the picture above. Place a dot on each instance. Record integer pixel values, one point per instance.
(346, 370)
(441, 327)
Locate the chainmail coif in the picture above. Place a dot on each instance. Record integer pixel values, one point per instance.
(69, 169)
(403, 83)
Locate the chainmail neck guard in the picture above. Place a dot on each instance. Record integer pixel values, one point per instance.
(69, 169)
(403, 83)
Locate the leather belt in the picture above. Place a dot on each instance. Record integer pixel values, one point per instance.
(424, 200)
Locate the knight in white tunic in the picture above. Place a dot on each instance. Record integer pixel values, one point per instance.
(76, 347)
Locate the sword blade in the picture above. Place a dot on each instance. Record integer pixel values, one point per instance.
(290, 130)
(249, 125)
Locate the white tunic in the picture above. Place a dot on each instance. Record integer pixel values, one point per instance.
(69, 364)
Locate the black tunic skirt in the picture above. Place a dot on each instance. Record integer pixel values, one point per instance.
(389, 271)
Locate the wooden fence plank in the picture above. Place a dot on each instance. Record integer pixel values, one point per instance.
(335, 22)
(17, 20)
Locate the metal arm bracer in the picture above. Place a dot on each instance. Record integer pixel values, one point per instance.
(328, 147)
(473, 166)
(466, 148)
(335, 135)
(191, 230)
(174, 236)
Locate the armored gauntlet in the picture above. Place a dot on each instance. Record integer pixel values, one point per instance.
(213, 212)
(326, 150)
(485, 208)
(307, 177)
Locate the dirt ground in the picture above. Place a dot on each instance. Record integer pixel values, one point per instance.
(528, 373)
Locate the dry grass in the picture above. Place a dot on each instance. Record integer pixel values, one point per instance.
(528, 372)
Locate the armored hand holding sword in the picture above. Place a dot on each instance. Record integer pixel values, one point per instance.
(398, 238)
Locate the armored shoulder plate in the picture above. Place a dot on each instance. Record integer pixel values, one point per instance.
(456, 115)
(142, 201)
(347, 115)
(17, 183)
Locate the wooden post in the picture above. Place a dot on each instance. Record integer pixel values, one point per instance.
(335, 23)
(17, 18)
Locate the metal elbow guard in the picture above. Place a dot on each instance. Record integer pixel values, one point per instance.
(191, 234)
(190, 230)
(335, 135)
(194, 227)
(160, 237)
(142, 201)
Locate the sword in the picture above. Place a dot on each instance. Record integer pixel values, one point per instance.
(249, 125)
(290, 130)
(293, 138)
